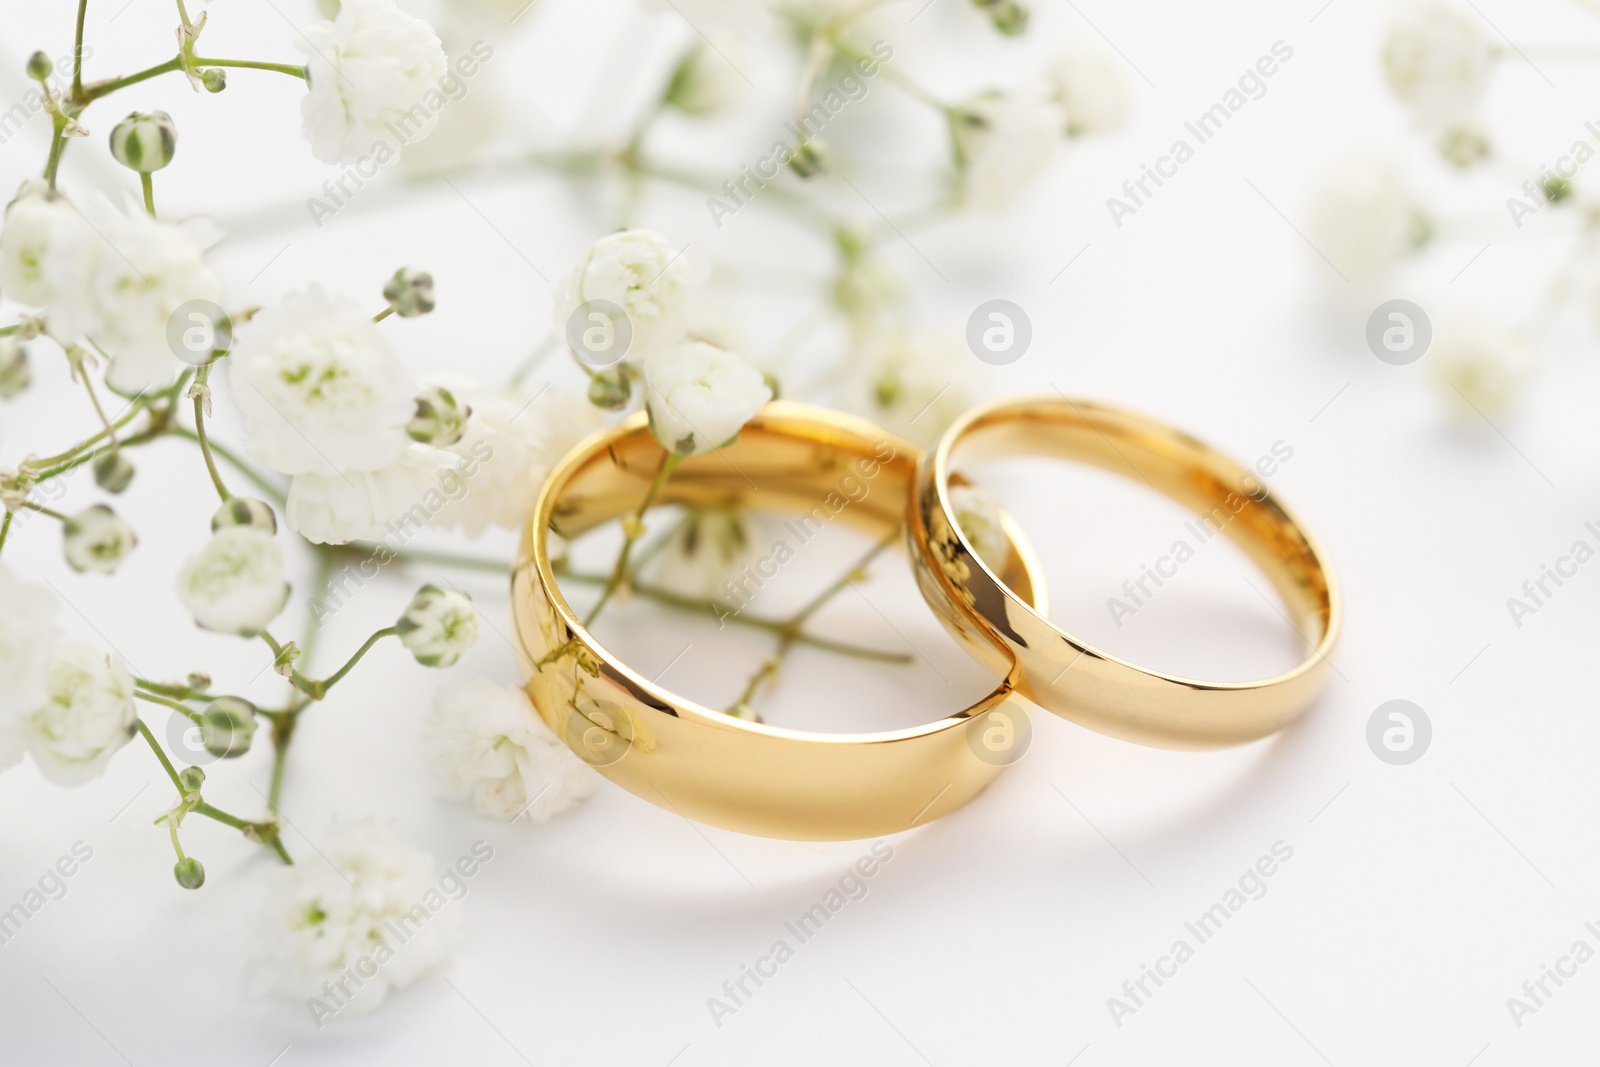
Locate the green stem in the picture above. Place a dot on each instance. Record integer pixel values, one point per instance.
(147, 183)
(237, 463)
(178, 692)
(152, 698)
(254, 64)
(631, 532)
(121, 421)
(318, 689)
(5, 529)
(77, 51)
(139, 438)
(58, 144)
(41, 509)
(16, 327)
(265, 832)
(91, 93)
(166, 764)
(201, 392)
(722, 614)
(385, 313)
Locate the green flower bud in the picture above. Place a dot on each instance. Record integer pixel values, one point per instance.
(39, 67)
(438, 626)
(144, 142)
(227, 727)
(283, 663)
(189, 873)
(15, 374)
(1008, 16)
(409, 292)
(610, 389)
(215, 80)
(810, 159)
(1462, 146)
(440, 419)
(191, 778)
(113, 471)
(1556, 189)
(198, 681)
(245, 511)
(96, 539)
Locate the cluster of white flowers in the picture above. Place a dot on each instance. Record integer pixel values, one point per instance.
(369, 918)
(487, 744)
(113, 277)
(699, 396)
(1437, 61)
(62, 702)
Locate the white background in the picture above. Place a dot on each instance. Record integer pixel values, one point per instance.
(1418, 898)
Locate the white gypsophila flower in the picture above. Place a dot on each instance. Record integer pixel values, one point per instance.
(368, 918)
(978, 513)
(1364, 218)
(640, 272)
(373, 70)
(397, 500)
(1003, 142)
(510, 442)
(36, 225)
(96, 540)
(438, 625)
(911, 384)
(87, 714)
(1437, 61)
(1478, 366)
(235, 584)
(320, 388)
(28, 636)
(1092, 91)
(117, 280)
(700, 396)
(487, 744)
(708, 547)
(707, 79)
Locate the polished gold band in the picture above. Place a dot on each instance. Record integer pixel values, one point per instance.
(1069, 677)
(704, 764)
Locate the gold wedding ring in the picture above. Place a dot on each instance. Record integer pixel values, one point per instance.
(1073, 679)
(822, 467)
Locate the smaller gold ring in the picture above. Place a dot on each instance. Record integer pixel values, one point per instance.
(1069, 677)
(704, 764)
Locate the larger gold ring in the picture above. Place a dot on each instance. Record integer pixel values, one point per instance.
(1071, 678)
(706, 765)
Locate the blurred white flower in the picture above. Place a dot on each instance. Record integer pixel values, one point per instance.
(1092, 90)
(319, 386)
(911, 384)
(396, 500)
(1364, 218)
(235, 584)
(371, 67)
(118, 279)
(978, 513)
(1437, 61)
(370, 916)
(708, 547)
(37, 224)
(1478, 366)
(487, 744)
(707, 79)
(28, 636)
(87, 715)
(438, 625)
(1003, 142)
(700, 396)
(96, 539)
(641, 273)
(511, 441)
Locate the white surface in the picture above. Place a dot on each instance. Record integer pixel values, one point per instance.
(1418, 898)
